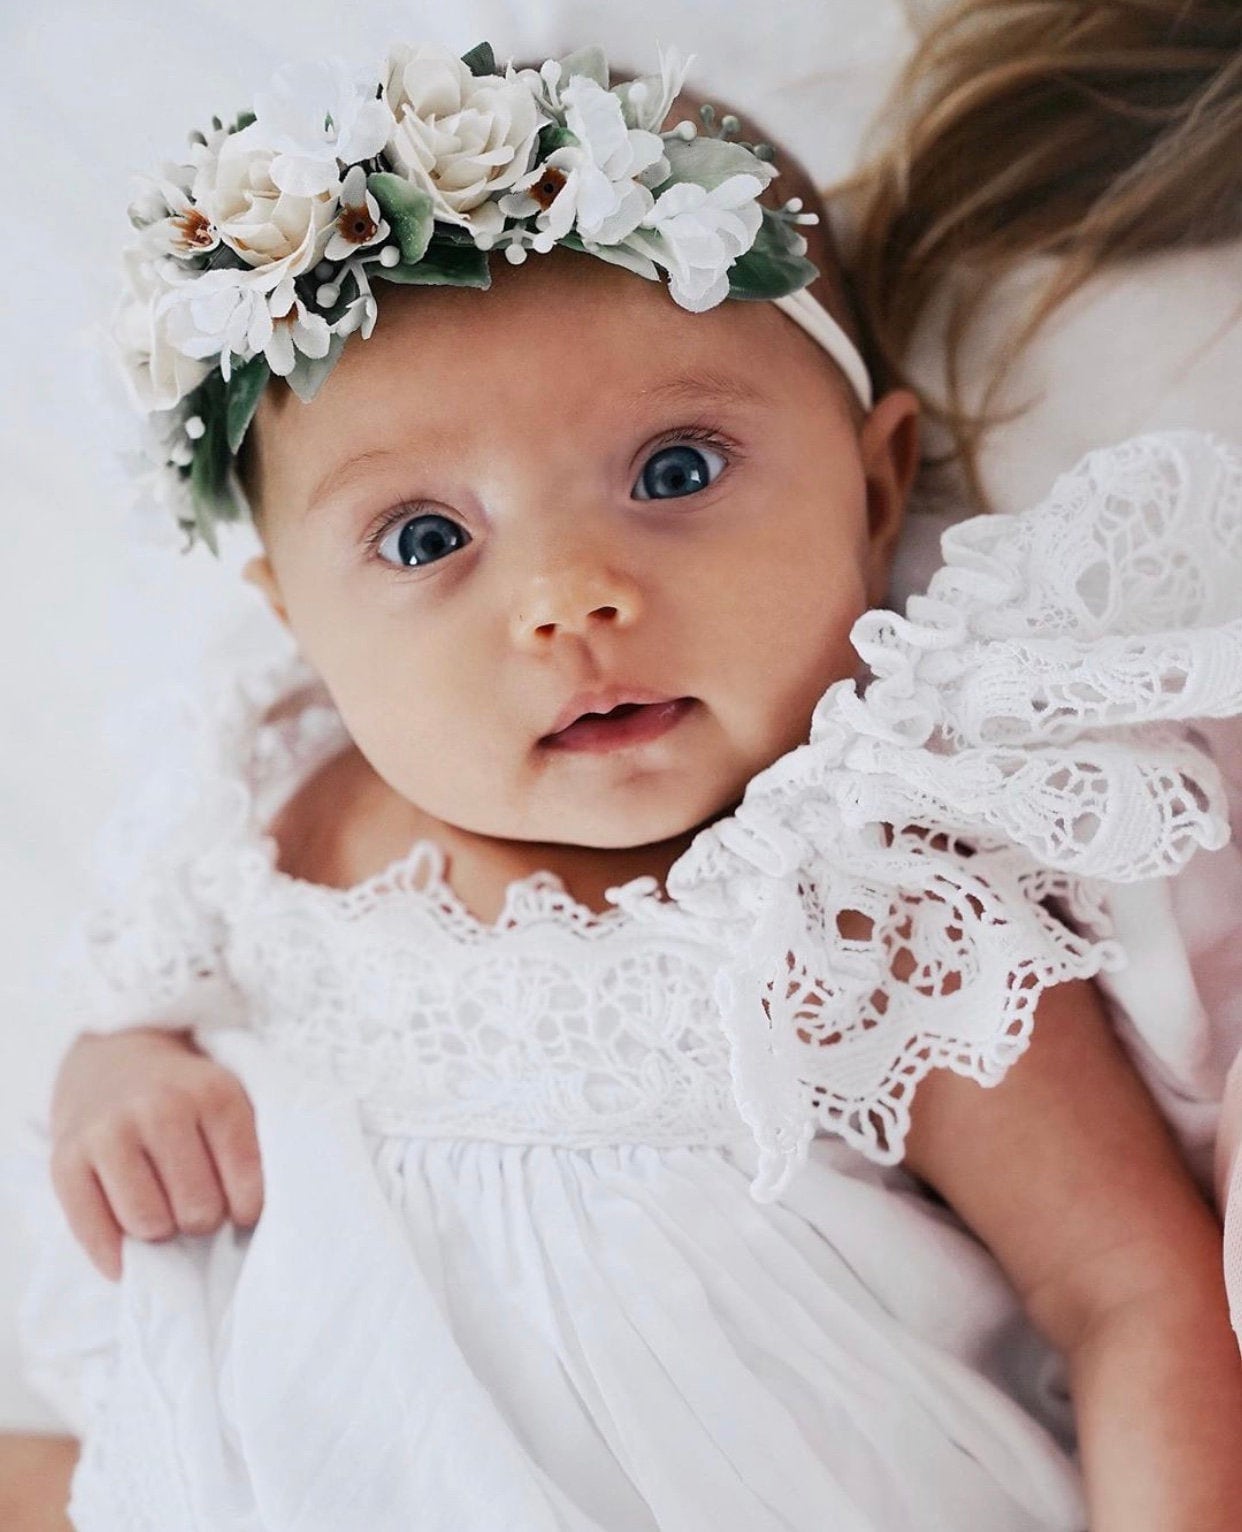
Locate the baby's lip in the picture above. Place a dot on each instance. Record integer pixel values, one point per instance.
(603, 700)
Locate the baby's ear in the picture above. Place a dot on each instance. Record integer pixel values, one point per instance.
(260, 573)
(889, 442)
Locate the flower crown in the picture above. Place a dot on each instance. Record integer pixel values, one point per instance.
(257, 257)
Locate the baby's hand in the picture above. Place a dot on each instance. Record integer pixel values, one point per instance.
(150, 1137)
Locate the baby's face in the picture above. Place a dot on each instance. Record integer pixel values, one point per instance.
(509, 513)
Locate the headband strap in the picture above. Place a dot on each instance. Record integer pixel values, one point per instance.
(810, 315)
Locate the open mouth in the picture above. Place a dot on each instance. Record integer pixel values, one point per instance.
(629, 723)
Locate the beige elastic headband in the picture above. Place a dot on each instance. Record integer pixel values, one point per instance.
(809, 314)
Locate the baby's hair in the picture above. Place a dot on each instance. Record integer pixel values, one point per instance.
(1093, 133)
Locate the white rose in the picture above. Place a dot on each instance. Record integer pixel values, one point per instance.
(458, 137)
(282, 233)
(157, 373)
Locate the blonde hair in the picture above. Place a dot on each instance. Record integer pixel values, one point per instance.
(1091, 131)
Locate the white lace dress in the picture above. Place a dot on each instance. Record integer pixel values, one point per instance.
(595, 1222)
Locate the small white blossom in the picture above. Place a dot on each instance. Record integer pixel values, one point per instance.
(314, 115)
(647, 101)
(596, 185)
(361, 312)
(696, 235)
(219, 315)
(294, 329)
(183, 230)
(459, 137)
(359, 222)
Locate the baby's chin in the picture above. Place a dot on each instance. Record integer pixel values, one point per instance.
(594, 829)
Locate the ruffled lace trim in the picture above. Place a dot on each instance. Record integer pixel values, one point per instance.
(923, 862)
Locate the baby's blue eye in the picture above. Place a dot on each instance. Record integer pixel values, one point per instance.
(420, 540)
(682, 469)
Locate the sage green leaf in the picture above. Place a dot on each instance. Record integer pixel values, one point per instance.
(771, 268)
(310, 372)
(408, 210)
(709, 162)
(209, 473)
(444, 265)
(555, 137)
(245, 388)
(480, 60)
(588, 61)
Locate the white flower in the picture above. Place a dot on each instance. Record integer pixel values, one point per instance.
(157, 373)
(181, 229)
(220, 314)
(596, 185)
(697, 234)
(361, 312)
(275, 230)
(647, 101)
(358, 219)
(294, 329)
(459, 137)
(314, 115)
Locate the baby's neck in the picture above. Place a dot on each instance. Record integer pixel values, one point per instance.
(347, 824)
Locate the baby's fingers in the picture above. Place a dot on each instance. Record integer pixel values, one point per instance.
(179, 1153)
(228, 1126)
(132, 1186)
(87, 1210)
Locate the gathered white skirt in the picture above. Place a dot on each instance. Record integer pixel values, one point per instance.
(470, 1336)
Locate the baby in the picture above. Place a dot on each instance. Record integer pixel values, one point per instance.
(509, 946)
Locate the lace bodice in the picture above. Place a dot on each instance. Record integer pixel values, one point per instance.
(891, 897)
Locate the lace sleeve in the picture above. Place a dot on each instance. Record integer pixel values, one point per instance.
(895, 895)
(148, 948)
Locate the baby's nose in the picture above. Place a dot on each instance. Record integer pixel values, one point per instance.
(573, 601)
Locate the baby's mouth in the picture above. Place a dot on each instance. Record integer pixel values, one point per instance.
(628, 723)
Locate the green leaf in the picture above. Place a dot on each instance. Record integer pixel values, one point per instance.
(208, 479)
(245, 388)
(588, 61)
(554, 137)
(480, 60)
(408, 210)
(772, 267)
(708, 162)
(310, 372)
(444, 265)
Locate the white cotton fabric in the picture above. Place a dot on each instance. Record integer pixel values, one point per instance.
(565, 1222)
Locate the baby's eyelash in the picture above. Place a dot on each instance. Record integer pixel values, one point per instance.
(705, 436)
(404, 512)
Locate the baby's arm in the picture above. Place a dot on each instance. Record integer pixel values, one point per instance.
(1067, 1172)
(150, 1137)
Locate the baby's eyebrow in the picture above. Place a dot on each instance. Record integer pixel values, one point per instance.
(704, 386)
(341, 473)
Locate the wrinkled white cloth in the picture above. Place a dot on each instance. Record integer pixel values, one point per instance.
(566, 1223)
